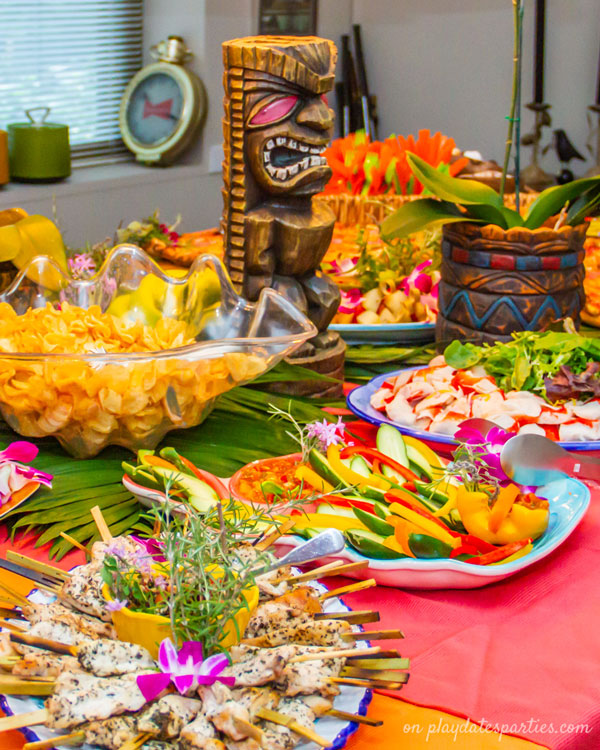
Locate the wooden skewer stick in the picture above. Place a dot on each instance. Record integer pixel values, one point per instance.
(272, 536)
(338, 653)
(334, 568)
(249, 729)
(315, 572)
(287, 721)
(373, 635)
(358, 586)
(136, 742)
(10, 614)
(372, 683)
(40, 567)
(16, 686)
(358, 617)
(345, 716)
(18, 721)
(371, 674)
(74, 738)
(392, 663)
(101, 524)
(14, 595)
(48, 645)
(75, 543)
(13, 626)
(50, 589)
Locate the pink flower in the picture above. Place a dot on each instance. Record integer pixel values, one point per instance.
(116, 605)
(351, 299)
(418, 280)
(326, 433)
(15, 475)
(344, 266)
(82, 265)
(186, 669)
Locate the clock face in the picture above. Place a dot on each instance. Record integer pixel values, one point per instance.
(154, 109)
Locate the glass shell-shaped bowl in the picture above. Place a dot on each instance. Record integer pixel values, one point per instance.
(89, 401)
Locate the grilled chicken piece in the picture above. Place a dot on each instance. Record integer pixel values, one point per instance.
(256, 666)
(317, 704)
(83, 697)
(303, 598)
(277, 737)
(111, 733)
(83, 591)
(254, 698)
(200, 735)
(308, 677)
(38, 663)
(6, 645)
(166, 717)
(105, 658)
(316, 632)
(159, 745)
(91, 627)
(222, 710)
(58, 631)
(271, 615)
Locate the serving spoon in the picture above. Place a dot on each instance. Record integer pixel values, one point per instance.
(328, 542)
(535, 460)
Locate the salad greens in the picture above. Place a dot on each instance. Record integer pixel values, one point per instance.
(530, 361)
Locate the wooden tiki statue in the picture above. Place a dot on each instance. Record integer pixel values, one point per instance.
(277, 124)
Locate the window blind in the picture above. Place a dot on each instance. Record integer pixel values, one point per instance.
(74, 56)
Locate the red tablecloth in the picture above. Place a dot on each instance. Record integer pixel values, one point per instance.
(523, 654)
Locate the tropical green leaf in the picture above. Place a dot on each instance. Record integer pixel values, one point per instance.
(416, 215)
(502, 217)
(583, 207)
(551, 201)
(452, 189)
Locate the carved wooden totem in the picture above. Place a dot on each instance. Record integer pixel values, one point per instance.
(277, 124)
(496, 281)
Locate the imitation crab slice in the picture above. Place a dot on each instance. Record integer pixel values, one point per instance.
(576, 431)
(591, 410)
(502, 420)
(437, 398)
(522, 404)
(403, 379)
(532, 429)
(378, 399)
(399, 410)
(553, 416)
(484, 405)
(413, 391)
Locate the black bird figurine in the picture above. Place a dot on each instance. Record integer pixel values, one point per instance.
(565, 151)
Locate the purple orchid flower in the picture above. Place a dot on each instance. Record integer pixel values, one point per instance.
(345, 265)
(186, 669)
(327, 433)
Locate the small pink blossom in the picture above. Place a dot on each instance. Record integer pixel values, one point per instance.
(351, 299)
(15, 475)
(327, 433)
(116, 604)
(82, 265)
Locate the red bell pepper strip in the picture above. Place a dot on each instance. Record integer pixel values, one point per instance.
(480, 544)
(346, 502)
(410, 486)
(372, 453)
(464, 549)
(500, 553)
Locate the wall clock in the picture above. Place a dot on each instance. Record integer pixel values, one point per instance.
(163, 106)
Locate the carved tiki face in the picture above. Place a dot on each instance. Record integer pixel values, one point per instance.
(286, 119)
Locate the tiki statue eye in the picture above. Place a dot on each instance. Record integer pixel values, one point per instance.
(274, 110)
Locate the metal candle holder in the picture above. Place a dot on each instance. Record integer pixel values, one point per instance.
(534, 176)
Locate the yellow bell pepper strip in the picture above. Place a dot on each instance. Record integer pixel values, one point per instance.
(352, 477)
(328, 521)
(431, 527)
(402, 529)
(522, 521)
(308, 476)
(446, 507)
(520, 553)
(501, 554)
(502, 505)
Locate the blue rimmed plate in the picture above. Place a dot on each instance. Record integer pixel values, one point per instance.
(568, 500)
(359, 402)
(351, 699)
(385, 333)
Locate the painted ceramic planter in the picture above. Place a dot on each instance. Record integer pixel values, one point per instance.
(496, 281)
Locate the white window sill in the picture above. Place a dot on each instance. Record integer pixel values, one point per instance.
(94, 178)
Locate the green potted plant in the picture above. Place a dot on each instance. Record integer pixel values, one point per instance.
(502, 271)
